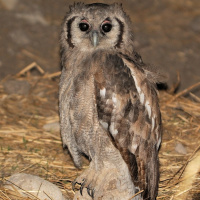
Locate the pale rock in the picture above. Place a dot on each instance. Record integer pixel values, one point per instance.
(34, 185)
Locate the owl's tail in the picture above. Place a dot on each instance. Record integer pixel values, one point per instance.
(147, 170)
(144, 169)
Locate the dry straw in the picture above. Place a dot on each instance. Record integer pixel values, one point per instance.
(26, 147)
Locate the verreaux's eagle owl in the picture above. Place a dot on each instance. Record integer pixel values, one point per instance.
(109, 106)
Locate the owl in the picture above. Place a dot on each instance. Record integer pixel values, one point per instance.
(108, 101)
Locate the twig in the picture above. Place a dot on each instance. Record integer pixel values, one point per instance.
(39, 188)
(196, 98)
(182, 192)
(29, 67)
(136, 194)
(48, 195)
(27, 167)
(184, 92)
(164, 196)
(53, 75)
(179, 181)
(5, 195)
(176, 85)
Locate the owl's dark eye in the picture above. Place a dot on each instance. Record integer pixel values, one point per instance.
(84, 26)
(106, 27)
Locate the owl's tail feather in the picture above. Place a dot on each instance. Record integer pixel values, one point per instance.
(148, 171)
(143, 167)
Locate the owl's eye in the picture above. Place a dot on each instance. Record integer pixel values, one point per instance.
(106, 27)
(84, 26)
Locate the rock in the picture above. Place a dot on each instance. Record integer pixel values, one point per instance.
(52, 127)
(34, 185)
(20, 87)
(180, 148)
(9, 4)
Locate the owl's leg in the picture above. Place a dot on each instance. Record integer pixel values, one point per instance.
(108, 176)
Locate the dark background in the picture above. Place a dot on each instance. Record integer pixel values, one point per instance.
(167, 35)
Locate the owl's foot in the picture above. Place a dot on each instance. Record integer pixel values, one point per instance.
(86, 180)
(105, 183)
(90, 190)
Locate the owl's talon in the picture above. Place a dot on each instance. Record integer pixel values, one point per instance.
(81, 188)
(90, 192)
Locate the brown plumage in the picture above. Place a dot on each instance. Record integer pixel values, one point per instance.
(109, 107)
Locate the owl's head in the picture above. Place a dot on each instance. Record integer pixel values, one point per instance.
(91, 27)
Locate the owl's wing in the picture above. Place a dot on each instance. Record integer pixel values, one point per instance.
(128, 109)
(146, 131)
(66, 95)
(146, 88)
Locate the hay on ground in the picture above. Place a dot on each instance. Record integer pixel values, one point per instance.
(26, 147)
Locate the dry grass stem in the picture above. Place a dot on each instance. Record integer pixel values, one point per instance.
(29, 67)
(136, 194)
(196, 98)
(53, 75)
(187, 90)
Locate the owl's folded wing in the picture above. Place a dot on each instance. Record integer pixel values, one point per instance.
(148, 96)
(146, 130)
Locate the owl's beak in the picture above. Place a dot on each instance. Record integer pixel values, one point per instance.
(95, 38)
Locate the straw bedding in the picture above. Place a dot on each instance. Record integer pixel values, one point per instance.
(25, 146)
